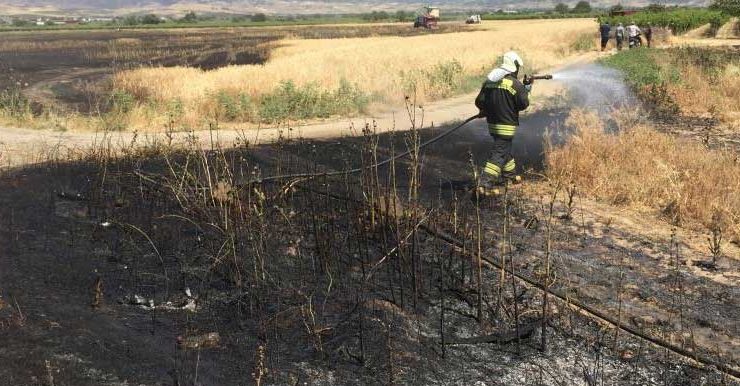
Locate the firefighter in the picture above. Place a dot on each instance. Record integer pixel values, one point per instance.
(500, 100)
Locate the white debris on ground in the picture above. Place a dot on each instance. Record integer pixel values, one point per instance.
(84, 368)
(188, 304)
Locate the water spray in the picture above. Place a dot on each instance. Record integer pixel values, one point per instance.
(596, 87)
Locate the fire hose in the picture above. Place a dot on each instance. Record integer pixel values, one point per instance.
(360, 169)
(528, 78)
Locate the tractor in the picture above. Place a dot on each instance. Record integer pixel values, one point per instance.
(427, 17)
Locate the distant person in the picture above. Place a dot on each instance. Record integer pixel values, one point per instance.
(500, 100)
(619, 35)
(605, 29)
(634, 32)
(649, 34)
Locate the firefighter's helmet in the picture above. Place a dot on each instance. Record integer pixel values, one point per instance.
(512, 61)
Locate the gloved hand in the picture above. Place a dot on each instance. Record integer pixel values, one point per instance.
(528, 82)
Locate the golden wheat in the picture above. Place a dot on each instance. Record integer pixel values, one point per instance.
(377, 64)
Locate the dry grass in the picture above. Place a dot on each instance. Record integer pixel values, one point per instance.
(718, 99)
(730, 30)
(381, 66)
(681, 180)
(697, 81)
(699, 32)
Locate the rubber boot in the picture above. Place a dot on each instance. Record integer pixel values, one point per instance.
(512, 178)
(490, 187)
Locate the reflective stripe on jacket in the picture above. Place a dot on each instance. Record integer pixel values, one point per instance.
(501, 100)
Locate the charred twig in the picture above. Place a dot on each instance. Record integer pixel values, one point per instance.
(505, 337)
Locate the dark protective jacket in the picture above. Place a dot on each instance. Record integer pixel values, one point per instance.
(605, 29)
(500, 100)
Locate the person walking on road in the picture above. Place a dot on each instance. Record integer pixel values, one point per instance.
(649, 34)
(605, 29)
(634, 32)
(500, 100)
(619, 35)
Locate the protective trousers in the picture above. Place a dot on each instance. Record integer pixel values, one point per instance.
(501, 162)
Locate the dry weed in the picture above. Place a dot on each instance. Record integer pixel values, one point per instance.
(697, 96)
(639, 167)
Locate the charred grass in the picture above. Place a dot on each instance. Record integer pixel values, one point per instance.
(330, 280)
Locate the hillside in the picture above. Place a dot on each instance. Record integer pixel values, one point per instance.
(49, 7)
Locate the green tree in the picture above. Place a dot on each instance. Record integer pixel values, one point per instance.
(731, 7)
(131, 20)
(616, 9)
(561, 8)
(376, 15)
(259, 17)
(403, 16)
(654, 7)
(582, 7)
(21, 23)
(189, 17)
(150, 19)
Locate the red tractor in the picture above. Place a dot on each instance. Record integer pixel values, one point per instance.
(427, 17)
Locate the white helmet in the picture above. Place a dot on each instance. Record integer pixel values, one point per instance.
(512, 62)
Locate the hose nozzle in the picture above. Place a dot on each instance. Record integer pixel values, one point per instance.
(541, 77)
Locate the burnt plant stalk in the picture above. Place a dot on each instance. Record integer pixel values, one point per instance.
(546, 283)
(510, 251)
(478, 244)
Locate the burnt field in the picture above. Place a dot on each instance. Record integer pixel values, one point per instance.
(66, 71)
(159, 266)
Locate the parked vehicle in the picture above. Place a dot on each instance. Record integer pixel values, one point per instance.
(473, 19)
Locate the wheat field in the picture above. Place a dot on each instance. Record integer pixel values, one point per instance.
(379, 66)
